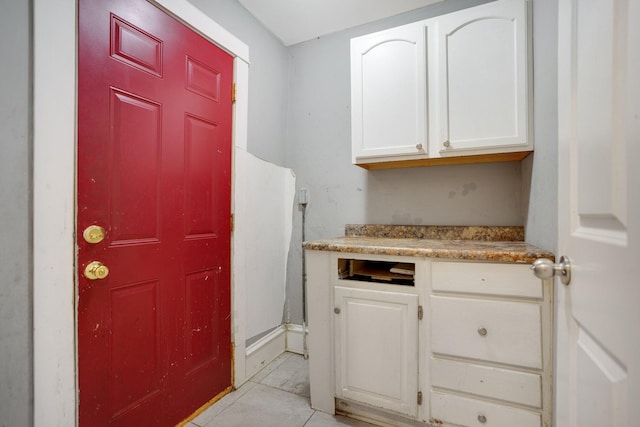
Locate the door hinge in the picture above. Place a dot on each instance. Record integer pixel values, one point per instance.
(419, 398)
(232, 222)
(233, 92)
(420, 312)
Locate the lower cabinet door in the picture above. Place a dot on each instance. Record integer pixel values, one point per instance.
(464, 411)
(376, 348)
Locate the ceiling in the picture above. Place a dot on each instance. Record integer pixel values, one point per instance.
(295, 21)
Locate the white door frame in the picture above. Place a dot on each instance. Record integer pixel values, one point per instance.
(54, 199)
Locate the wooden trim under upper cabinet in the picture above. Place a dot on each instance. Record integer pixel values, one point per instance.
(441, 161)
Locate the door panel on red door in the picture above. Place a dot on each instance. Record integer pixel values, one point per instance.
(154, 170)
(134, 309)
(203, 80)
(200, 148)
(135, 134)
(133, 46)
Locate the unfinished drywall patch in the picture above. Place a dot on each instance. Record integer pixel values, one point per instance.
(269, 197)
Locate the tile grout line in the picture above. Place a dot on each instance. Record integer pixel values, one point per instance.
(310, 416)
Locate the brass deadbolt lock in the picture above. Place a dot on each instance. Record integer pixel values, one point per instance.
(94, 234)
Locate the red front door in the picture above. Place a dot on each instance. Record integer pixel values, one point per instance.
(154, 171)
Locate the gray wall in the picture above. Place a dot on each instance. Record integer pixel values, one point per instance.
(540, 171)
(16, 401)
(319, 151)
(268, 77)
(299, 117)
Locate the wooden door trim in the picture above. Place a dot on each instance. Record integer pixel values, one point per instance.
(54, 198)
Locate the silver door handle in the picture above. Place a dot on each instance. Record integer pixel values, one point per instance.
(545, 269)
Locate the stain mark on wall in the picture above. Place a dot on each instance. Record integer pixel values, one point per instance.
(467, 188)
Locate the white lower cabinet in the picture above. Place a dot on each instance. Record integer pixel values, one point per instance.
(457, 344)
(376, 353)
(490, 345)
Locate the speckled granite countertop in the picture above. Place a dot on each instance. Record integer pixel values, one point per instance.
(498, 244)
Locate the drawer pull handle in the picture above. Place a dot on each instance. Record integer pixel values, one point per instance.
(482, 332)
(336, 310)
(482, 419)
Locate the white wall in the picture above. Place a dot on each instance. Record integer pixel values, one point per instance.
(16, 374)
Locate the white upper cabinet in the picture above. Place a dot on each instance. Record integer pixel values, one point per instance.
(388, 84)
(443, 89)
(481, 78)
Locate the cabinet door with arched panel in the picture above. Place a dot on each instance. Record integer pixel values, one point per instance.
(388, 93)
(482, 79)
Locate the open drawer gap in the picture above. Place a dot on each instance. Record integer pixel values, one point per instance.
(389, 272)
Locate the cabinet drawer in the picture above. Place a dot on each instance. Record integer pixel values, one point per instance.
(486, 278)
(469, 412)
(498, 331)
(504, 384)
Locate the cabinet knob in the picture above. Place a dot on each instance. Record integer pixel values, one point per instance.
(418, 146)
(336, 310)
(482, 419)
(446, 144)
(482, 332)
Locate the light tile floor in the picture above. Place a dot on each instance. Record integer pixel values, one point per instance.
(277, 396)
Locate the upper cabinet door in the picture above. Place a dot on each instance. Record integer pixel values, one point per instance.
(388, 92)
(482, 80)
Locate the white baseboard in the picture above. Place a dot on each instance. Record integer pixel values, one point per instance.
(295, 338)
(287, 337)
(265, 350)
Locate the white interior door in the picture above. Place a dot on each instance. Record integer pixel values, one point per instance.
(598, 336)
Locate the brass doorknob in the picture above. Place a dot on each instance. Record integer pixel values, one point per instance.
(93, 234)
(96, 270)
